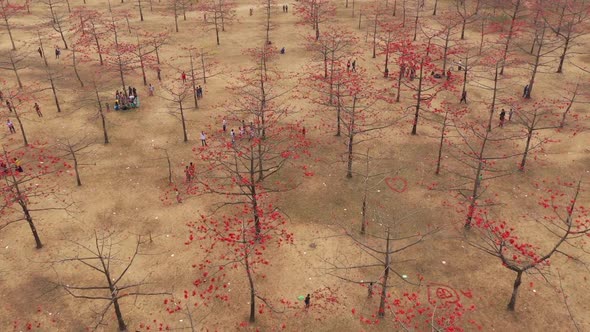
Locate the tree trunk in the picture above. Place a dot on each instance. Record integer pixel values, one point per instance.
(20, 124)
(203, 65)
(140, 10)
(494, 94)
(375, 37)
(9, 32)
(509, 36)
(216, 29)
(399, 83)
(565, 49)
(73, 153)
(418, 99)
(517, 282)
(446, 51)
(529, 136)
(20, 84)
(29, 219)
(98, 49)
(351, 133)
(338, 110)
(463, 28)
(435, 7)
(76, 67)
(536, 65)
(120, 320)
(54, 92)
(268, 3)
(193, 81)
(441, 143)
(102, 117)
(387, 267)
(175, 17)
(184, 134)
(252, 289)
(476, 184)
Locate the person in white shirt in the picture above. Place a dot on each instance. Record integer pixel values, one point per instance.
(203, 139)
(10, 126)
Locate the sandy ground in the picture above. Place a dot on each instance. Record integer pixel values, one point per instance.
(123, 181)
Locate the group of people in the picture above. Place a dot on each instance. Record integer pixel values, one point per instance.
(503, 116)
(285, 8)
(243, 131)
(351, 64)
(16, 165)
(124, 102)
(189, 172)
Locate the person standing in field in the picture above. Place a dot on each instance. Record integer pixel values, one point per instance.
(183, 76)
(151, 89)
(38, 110)
(224, 125)
(307, 301)
(203, 139)
(10, 126)
(502, 118)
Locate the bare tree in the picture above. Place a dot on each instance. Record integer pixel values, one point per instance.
(177, 92)
(102, 257)
(74, 149)
(375, 264)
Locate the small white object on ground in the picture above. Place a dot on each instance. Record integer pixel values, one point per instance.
(404, 276)
(444, 262)
(172, 255)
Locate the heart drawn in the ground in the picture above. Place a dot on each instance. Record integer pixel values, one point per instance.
(397, 184)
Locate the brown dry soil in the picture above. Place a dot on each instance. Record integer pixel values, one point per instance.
(123, 181)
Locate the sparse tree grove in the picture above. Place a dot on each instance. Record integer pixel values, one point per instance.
(374, 165)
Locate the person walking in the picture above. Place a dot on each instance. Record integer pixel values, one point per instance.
(57, 52)
(38, 110)
(354, 65)
(286, 8)
(151, 89)
(525, 92)
(187, 173)
(307, 301)
(9, 106)
(460, 65)
(200, 91)
(159, 71)
(203, 139)
(232, 133)
(448, 74)
(348, 66)
(463, 97)
(192, 170)
(183, 76)
(510, 113)
(502, 118)
(10, 126)
(224, 125)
